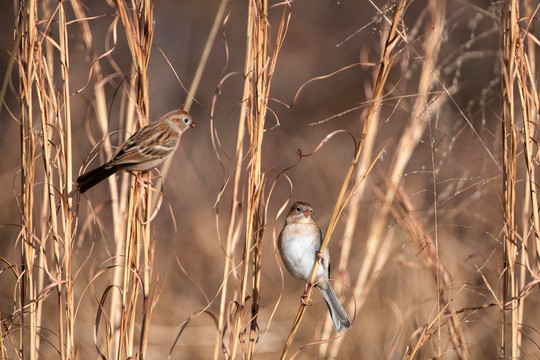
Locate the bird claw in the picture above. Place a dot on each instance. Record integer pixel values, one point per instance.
(145, 180)
(319, 255)
(304, 302)
(304, 295)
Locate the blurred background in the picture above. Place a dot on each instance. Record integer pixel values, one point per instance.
(452, 180)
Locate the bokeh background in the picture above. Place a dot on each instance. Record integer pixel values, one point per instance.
(453, 178)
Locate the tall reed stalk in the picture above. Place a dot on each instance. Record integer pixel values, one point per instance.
(259, 66)
(138, 23)
(520, 101)
(36, 69)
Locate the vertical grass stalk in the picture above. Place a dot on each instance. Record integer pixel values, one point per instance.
(509, 16)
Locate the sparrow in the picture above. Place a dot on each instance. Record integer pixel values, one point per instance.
(144, 150)
(299, 244)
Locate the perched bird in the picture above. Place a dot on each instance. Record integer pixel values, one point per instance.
(299, 243)
(144, 150)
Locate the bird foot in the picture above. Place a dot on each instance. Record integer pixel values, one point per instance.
(304, 302)
(145, 180)
(304, 296)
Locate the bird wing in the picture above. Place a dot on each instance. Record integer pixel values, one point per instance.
(152, 142)
(326, 257)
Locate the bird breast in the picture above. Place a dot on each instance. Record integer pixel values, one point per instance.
(298, 246)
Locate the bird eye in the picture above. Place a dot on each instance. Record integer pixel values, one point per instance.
(187, 120)
(298, 209)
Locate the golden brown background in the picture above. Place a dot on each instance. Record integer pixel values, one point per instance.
(453, 178)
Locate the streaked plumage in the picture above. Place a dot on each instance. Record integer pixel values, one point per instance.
(144, 150)
(298, 243)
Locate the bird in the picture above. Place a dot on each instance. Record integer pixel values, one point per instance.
(299, 244)
(144, 150)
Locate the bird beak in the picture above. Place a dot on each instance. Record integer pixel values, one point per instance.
(192, 124)
(306, 213)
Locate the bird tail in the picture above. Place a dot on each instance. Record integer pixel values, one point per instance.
(339, 316)
(92, 177)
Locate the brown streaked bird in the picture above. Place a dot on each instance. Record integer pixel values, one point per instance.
(299, 243)
(144, 150)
